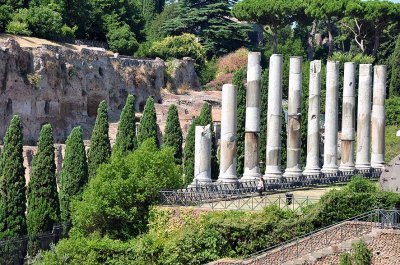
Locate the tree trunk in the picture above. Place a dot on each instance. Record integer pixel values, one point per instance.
(310, 41)
(330, 37)
(376, 42)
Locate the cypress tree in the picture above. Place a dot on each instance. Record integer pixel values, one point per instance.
(12, 183)
(148, 123)
(43, 204)
(74, 174)
(125, 140)
(173, 133)
(188, 152)
(239, 79)
(283, 142)
(394, 89)
(205, 118)
(100, 148)
(263, 119)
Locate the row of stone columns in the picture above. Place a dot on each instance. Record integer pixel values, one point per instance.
(370, 124)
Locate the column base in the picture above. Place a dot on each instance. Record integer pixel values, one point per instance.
(199, 182)
(347, 169)
(272, 172)
(227, 179)
(378, 165)
(363, 166)
(330, 170)
(250, 175)
(312, 171)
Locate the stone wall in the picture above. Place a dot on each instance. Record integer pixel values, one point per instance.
(63, 85)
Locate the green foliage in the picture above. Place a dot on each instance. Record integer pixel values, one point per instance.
(125, 139)
(100, 147)
(181, 46)
(345, 259)
(358, 58)
(208, 71)
(116, 202)
(148, 123)
(153, 28)
(283, 141)
(188, 153)
(362, 255)
(44, 22)
(18, 28)
(239, 79)
(43, 203)
(74, 174)
(392, 143)
(5, 16)
(173, 133)
(151, 7)
(122, 39)
(12, 183)
(209, 20)
(392, 107)
(394, 89)
(205, 119)
(263, 119)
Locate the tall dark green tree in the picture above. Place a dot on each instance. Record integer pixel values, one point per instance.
(12, 183)
(283, 141)
(394, 89)
(263, 119)
(100, 148)
(205, 118)
(148, 123)
(43, 202)
(188, 152)
(74, 174)
(173, 133)
(125, 140)
(239, 79)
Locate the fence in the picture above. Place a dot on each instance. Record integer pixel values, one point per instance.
(200, 194)
(322, 238)
(14, 251)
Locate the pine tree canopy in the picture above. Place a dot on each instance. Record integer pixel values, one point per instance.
(12, 183)
(148, 123)
(74, 174)
(173, 133)
(100, 147)
(125, 140)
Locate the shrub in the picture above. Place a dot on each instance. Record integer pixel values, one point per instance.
(18, 28)
(395, 67)
(178, 47)
(116, 201)
(232, 62)
(122, 39)
(44, 22)
(5, 16)
(358, 58)
(392, 106)
(208, 71)
(392, 143)
(217, 83)
(362, 255)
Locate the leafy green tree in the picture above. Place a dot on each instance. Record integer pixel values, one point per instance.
(150, 8)
(44, 22)
(173, 133)
(12, 183)
(43, 202)
(188, 152)
(148, 123)
(121, 38)
(209, 20)
(74, 174)
(263, 119)
(117, 201)
(100, 148)
(125, 140)
(394, 89)
(5, 16)
(239, 79)
(205, 118)
(271, 14)
(328, 11)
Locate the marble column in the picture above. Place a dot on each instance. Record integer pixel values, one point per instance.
(293, 169)
(227, 172)
(202, 156)
(348, 119)
(378, 117)
(313, 124)
(252, 125)
(331, 118)
(363, 155)
(274, 118)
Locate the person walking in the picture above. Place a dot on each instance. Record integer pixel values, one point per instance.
(260, 186)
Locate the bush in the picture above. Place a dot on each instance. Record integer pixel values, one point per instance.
(217, 83)
(392, 106)
(18, 28)
(116, 200)
(208, 71)
(122, 39)
(358, 58)
(232, 62)
(5, 16)
(392, 143)
(178, 47)
(44, 22)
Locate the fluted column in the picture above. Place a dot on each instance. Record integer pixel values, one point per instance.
(227, 172)
(293, 169)
(274, 127)
(348, 119)
(331, 118)
(252, 126)
(202, 156)
(313, 124)
(378, 117)
(363, 155)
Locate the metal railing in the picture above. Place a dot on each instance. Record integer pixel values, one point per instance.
(207, 193)
(319, 239)
(15, 250)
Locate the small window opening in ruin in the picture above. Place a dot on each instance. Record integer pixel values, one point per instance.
(159, 101)
(141, 105)
(46, 107)
(100, 71)
(9, 109)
